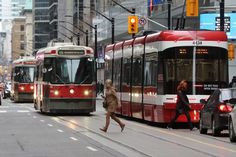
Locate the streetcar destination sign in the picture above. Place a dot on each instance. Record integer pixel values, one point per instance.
(71, 52)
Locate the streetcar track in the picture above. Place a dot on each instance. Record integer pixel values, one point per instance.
(179, 144)
(117, 142)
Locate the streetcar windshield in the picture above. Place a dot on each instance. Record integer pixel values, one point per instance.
(205, 71)
(64, 70)
(24, 74)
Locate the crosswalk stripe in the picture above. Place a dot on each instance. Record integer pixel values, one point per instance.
(22, 111)
(3, 111)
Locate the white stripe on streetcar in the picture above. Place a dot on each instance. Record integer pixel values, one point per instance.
(22, 111)
(73, 138)
(50, 125)
(3, 111)
(60, 130)
(91, 148)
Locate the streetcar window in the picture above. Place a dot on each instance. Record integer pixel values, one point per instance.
(24, 74)
(207, 74)
(63, 70)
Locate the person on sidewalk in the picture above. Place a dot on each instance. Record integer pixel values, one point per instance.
(112, 103)
(182, 104)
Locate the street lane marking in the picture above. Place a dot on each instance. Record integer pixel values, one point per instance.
(91, 148)
(22, 111)
(59, 130)
(73, 138)
(50, 125)
(4, 106)
(3, 111)
(41, 120)
(34, 117)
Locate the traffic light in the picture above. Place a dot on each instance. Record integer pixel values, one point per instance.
(231, 48)
(191, 7)
(132, 24)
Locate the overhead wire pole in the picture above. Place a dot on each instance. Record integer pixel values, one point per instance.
(133, 35)
(222, 14)
(169, 14)
(95, 45)
(112, 20)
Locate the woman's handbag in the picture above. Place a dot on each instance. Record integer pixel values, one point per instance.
(104, 104)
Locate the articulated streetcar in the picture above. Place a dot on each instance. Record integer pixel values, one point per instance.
(23, 70)
(65, 79)
(146, 71)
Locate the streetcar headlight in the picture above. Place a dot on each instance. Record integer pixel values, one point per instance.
(31, 87)
(86, 92)
(72, 91)
(56, 92)
(22, 88)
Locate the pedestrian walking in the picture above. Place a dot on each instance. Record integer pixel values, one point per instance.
(182, 104)
(111, 100)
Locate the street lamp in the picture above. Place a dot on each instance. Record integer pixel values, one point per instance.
(85, 32)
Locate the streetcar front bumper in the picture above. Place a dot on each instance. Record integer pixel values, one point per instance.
(69, 105)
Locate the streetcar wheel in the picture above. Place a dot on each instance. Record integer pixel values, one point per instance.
(232, 135)
(201, 129)
(215, 131)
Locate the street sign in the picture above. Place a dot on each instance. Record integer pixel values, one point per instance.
(142, 21)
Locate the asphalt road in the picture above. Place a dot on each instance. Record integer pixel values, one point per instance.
(28, 133)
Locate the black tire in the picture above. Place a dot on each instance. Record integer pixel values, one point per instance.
(232, 135)
(201, 129)
(215, 131)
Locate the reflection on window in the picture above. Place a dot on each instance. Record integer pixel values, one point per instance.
(137, 72)
(150, 70)
(24, 74)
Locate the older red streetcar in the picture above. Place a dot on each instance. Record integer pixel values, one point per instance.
(146, 71)
(23, 70)
(65, 79)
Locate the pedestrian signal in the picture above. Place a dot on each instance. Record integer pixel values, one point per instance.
(231, 48)
(132, 24)
(191, 7)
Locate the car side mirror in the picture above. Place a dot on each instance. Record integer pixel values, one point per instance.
(232, 101)
(203, 101)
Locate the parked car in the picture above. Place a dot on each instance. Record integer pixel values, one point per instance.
(215, 112)
(6, 90)
(232, 122)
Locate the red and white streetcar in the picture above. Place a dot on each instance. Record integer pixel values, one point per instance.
(65, 79)
(23, 70)
(147, 70)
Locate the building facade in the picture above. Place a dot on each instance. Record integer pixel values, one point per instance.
(41, 27)
(27, 13)
(18, 38)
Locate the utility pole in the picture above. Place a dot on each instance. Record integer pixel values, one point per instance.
(169, 14)
(222, 15)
